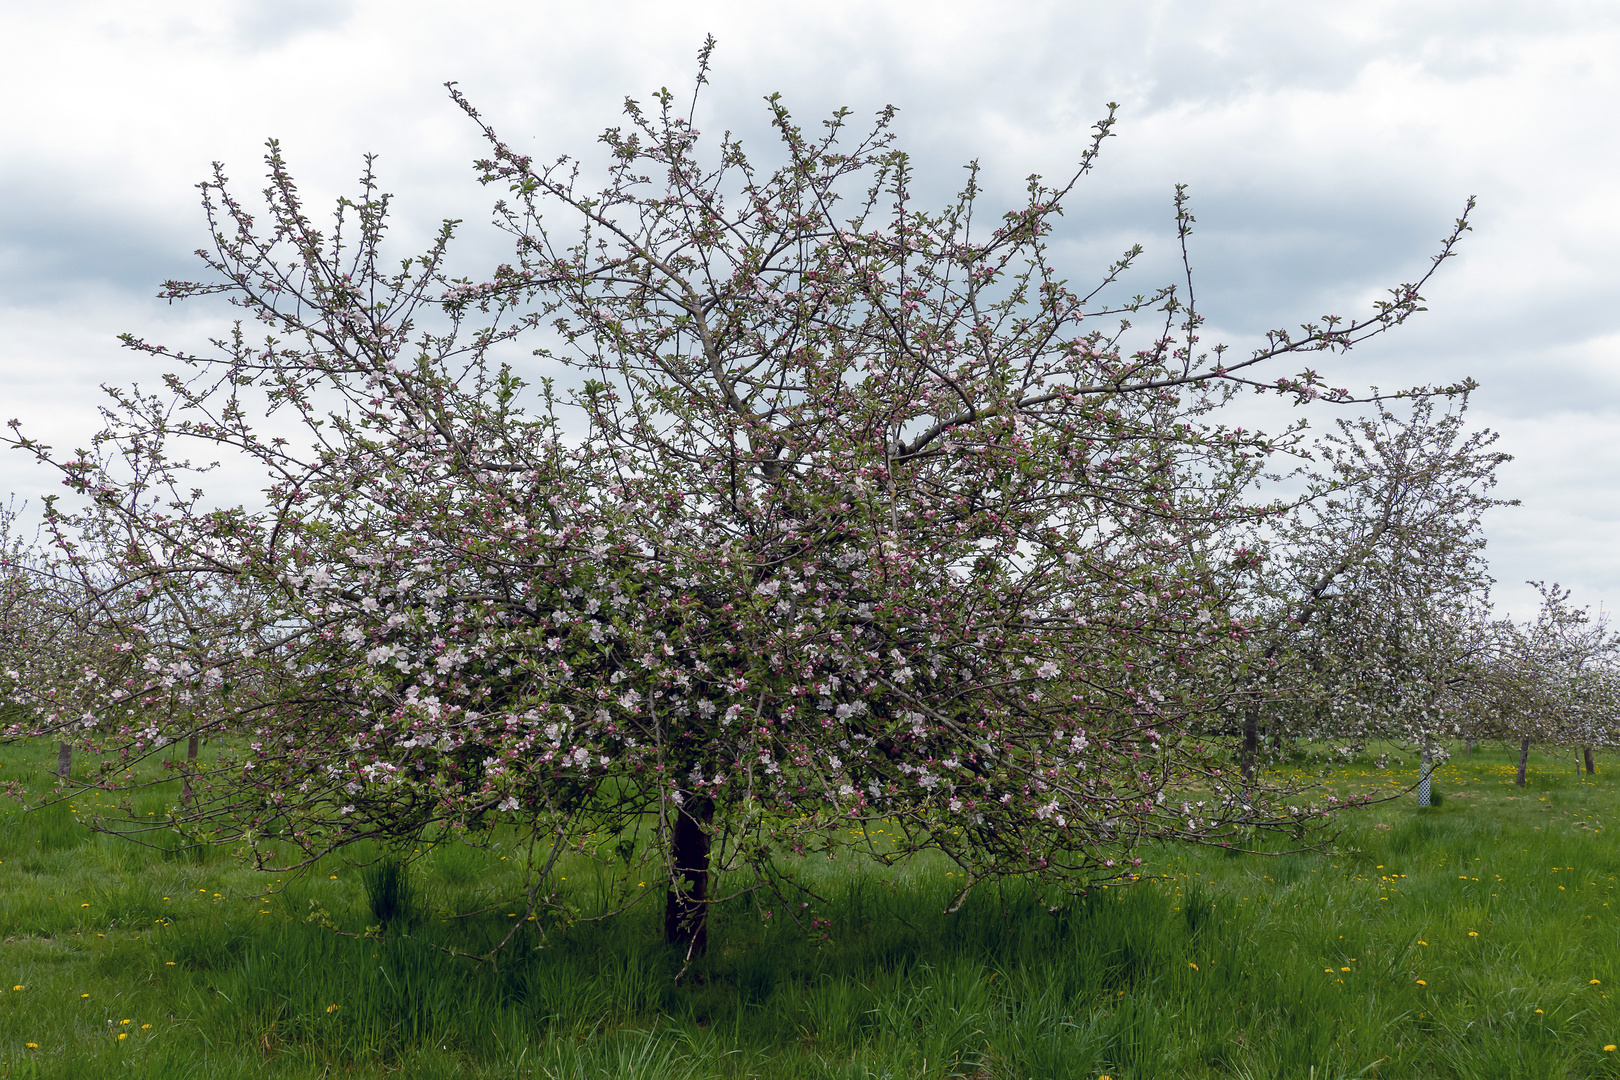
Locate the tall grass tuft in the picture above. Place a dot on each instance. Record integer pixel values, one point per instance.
(389, 893)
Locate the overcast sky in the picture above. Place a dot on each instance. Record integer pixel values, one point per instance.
(1327, 149)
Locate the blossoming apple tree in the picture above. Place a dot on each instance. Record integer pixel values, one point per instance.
(1370, 622)
(1553, 679)
(822, 510)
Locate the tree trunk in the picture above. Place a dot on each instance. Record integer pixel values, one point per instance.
(1591, 769)
(64, 761)
(686, 909)
(1468, 748)
(185, 784)
(1251, 742)
(1524, 756)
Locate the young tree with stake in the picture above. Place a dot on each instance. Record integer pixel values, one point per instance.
(1368, 618)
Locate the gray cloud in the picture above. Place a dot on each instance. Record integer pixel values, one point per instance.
(270, 24)
(57, 236)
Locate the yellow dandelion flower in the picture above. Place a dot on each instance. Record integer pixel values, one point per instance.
(1420, 982)
(19, 986)
(1595, 982)
(1192, 965)
(146, 1027)
(32, 1046)
(1473, 933)
(122, 1035)
(332, 1008)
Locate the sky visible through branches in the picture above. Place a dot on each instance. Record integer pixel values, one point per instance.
(1325, 153)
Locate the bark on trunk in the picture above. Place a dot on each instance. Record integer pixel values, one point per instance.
(64, 761)
(686, 909)
(185, 785)
(1591, 769)
(1524, 756)
(1468, 748)
(1251, 743)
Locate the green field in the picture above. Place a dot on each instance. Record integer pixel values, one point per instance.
(1477, 938)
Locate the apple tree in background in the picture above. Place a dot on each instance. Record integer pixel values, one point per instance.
(53, 628)
(1370, 620)
(838, 511)
(1556, 680)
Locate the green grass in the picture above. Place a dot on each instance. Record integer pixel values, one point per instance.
(1501, 901)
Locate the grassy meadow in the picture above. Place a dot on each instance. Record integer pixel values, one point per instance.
(1479, 938)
